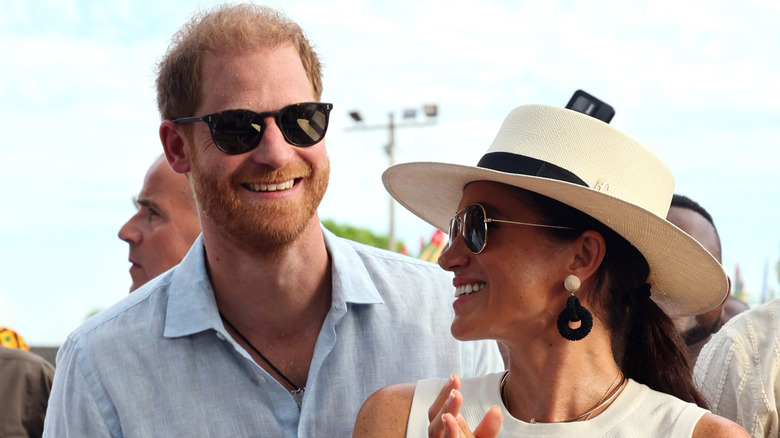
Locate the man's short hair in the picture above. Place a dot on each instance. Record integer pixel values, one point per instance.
(227, 28)
(683, 201)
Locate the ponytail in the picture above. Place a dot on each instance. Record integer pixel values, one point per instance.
(654, 352)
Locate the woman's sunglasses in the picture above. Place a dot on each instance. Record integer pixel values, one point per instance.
(472, 224)
(238, 131)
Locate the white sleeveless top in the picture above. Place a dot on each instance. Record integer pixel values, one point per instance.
(637, 412)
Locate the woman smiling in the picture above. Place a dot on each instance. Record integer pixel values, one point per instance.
(560, 251)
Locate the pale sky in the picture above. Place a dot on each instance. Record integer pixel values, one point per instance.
(694, 81)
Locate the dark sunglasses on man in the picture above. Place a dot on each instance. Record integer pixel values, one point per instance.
(238, 131)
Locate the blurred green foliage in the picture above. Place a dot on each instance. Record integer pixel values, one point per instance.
(361, 235)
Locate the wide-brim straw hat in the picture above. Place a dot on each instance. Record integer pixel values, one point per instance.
(591, 166)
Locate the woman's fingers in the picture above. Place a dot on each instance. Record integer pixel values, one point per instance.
(451, 407)
(455, 426)
(447, 422)
(434, 411)
(490, 424)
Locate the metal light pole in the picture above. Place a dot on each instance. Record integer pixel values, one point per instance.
(431, 111)
(390, 149)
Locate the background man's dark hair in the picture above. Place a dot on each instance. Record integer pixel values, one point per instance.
(683, 201)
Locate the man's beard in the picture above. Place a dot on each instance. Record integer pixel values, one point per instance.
(698, 333)
(258, 225)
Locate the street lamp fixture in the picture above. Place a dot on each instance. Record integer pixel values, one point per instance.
(409, 116)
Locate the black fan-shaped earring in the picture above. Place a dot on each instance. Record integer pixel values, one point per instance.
(574, 312)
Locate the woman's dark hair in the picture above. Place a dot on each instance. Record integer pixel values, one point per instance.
(647, 346)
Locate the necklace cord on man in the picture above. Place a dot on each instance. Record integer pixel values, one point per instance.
(296, 387)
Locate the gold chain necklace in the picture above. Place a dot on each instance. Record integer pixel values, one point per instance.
(604, 400)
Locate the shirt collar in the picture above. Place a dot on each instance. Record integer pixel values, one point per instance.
(192, 307)
(352, 281)
(191, 304)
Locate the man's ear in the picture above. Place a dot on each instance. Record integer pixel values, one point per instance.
(176, 146)
(589, 250)
(728, 293)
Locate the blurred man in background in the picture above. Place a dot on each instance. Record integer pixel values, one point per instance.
(692, 218)
(25, 383)
(165, 225)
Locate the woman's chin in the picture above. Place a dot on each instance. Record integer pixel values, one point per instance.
(465, 331)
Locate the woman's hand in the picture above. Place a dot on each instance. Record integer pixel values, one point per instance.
(445, 420)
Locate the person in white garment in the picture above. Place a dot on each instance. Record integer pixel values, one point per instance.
(561, 251)
(737, 370)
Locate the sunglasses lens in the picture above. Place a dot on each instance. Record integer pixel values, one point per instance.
(474, 228)
(453, 229)
(235, 132)
(304, 124)
(239, 131)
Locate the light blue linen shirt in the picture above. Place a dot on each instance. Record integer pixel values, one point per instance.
(160, 363)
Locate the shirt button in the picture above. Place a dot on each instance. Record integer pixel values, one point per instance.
(220, 336)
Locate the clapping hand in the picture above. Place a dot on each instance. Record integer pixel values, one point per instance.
(445, 420)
